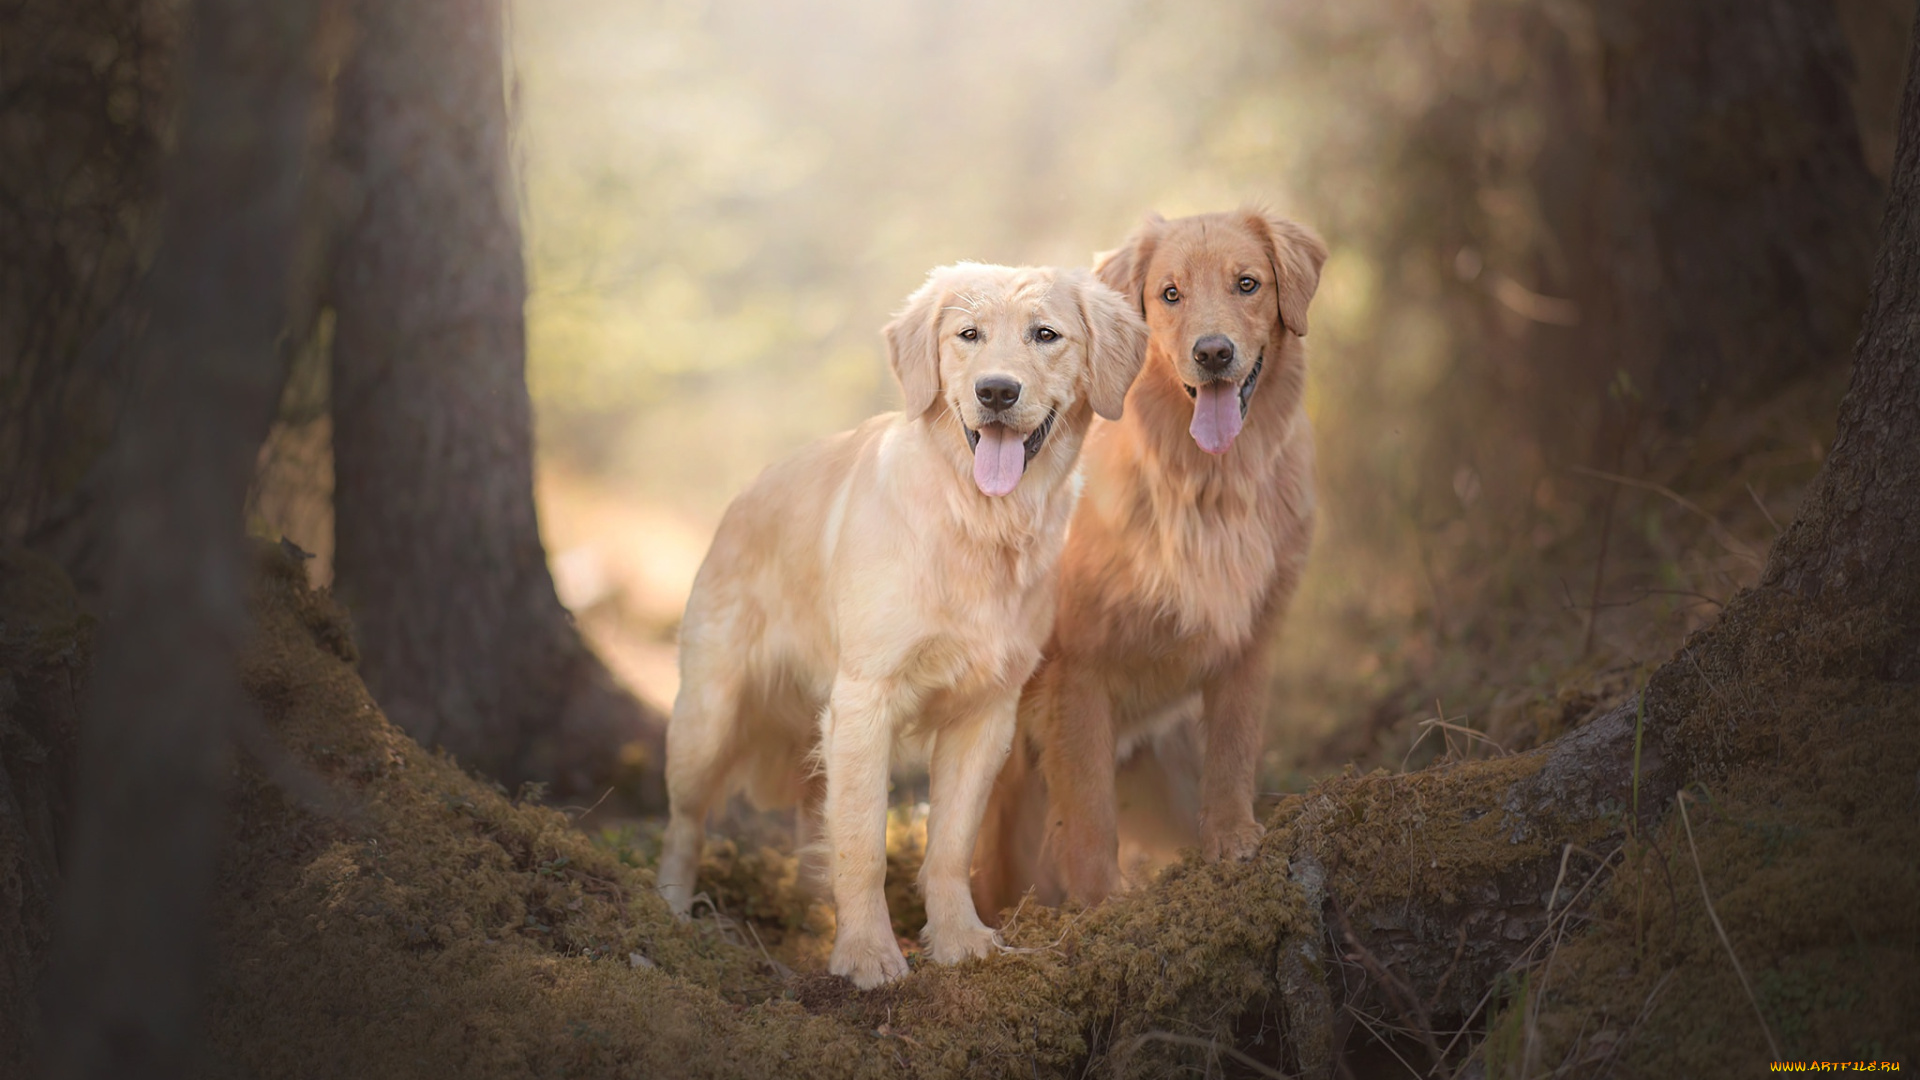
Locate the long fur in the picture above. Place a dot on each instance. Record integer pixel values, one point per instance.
(1178, 567)
(866, 590)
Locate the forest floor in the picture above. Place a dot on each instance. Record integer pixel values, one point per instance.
(1487, 630)
(383, 913)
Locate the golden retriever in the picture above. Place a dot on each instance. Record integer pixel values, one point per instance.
(896, 582)
(1180, 559)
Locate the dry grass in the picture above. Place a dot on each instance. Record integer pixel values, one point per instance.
(440, 926)
(1806, 944)
(436, 926)
(1486, 604)
(1680, 804)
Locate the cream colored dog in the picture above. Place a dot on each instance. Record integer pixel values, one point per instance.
(897, 581)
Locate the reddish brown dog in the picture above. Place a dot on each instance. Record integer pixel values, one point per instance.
(1180, 560)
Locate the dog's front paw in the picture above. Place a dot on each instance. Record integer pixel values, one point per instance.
(1089, 865)
(1238, 840)
(679, 900)
(952, 944)
(869, 960)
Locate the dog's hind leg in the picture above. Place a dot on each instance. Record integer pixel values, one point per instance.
(1006, 857)
(966, 759)
(702, 748)
(1002, 861)
(1077, 759)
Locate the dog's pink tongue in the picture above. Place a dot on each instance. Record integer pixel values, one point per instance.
(999, 459)
(1216, 416)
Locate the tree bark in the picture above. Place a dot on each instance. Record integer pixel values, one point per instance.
(1856, 540)
(44, 658)
(83, 112)
(1736, 213)
(438, 550)
(1646, 211)
(79, 164)
(155, 761)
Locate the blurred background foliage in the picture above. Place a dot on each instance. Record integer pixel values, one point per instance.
(724, 201)
(1528, 483)
(1597, 267)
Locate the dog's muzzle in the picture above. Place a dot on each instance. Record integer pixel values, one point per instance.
(1246, 385)
(1033, 442)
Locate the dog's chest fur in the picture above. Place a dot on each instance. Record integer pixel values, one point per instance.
(973, 631)
(985, 626)
(1196, 559)
(1205, 568)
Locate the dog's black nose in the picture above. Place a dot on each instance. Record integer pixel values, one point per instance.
(997, 392)
(1213, 353)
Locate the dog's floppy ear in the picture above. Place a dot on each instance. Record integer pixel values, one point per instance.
(1297, 253)
(912, 349)
(1124, 269)
(1116, 344)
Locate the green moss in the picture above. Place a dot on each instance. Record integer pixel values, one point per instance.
(399, 918)
(420, 923)
(1805, 832)
(402, 919)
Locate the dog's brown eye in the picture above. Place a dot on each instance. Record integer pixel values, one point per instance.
(970, 334)
(1046, 333)
(1249, 284)
(1170, 294)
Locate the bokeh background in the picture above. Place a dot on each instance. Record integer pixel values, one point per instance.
(1597, 271)
(1522, 503)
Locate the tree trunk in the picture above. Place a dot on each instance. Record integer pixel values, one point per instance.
(79, 162)
(166, 700)
(1737, 218)
(44, 653)
(1645, 211)
(83, 111)
(1851, 556)
(438, 550)
(1856, 540)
